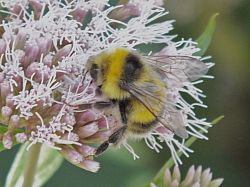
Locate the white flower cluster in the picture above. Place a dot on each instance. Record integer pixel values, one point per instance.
(46, 50)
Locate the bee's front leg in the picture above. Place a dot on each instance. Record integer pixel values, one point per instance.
(122, 108)
(114, 138)
(104, 104)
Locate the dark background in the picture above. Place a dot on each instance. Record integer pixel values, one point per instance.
(227, 150)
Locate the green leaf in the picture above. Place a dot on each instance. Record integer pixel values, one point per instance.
(3, 12)
(205, 38)
(158, 178)
(49, 161)
(3, 128)
(16, 170)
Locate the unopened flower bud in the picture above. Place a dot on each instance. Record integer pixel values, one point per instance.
(2, 77)
(87, 130)
(31, 54)
(62, 53)
(44, 46)
(21, 137)
(86, 150)
(5, 89)
(20, 40)
(2, 46)
(85, 117)
(6, 111)
(14, 120)
(7, 140)
(9, 101)
(37, 8)
(79, 15)
(16, 9)
(100, 136)
(47, 60)
(32, 69)
(72, 155)
(90, 165)
(123, 13)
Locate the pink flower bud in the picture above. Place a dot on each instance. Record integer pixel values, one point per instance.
(47, 60)
(14, 120)
(79, 15)
(6, 111)
(16, 9)
(2, 46)
(37, 8)
(21, 137)
(20, 40)
(100, 136)
(87, 130)
(32, 68)
(1, 77)
(5, 89)
(90, 165)
(163, 130)
(72, 155)
(62, 52)
(102, 123)
(86, 150)
(44, 45)
(31, 53)
(125, 12)
(85, 117)
(9, 101)
(60, 76)
(7, 141)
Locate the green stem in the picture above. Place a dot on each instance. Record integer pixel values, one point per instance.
(170, 162)
(31, 165)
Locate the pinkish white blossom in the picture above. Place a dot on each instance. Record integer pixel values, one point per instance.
(43, 85)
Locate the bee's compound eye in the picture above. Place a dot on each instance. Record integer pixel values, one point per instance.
(93, 71)
(132, 68)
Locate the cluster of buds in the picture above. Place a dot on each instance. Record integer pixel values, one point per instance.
(46, 95)
(194, 178)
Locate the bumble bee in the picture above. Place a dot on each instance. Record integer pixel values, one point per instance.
(137, 85)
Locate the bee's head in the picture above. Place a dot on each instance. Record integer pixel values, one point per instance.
(95, 67)
(112, 69)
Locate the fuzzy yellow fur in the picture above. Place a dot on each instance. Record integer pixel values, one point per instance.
(113, 63)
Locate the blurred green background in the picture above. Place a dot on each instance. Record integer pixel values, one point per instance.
(228, 148)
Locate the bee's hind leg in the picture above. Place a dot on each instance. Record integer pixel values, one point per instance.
(113, 139)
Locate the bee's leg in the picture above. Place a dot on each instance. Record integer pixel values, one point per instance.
(122, 108)
(113, 139)
(104, 104)
(102, 148)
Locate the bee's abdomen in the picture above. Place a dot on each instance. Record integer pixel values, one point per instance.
(141, 128)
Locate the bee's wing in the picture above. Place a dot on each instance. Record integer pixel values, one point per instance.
(182, 68)
(171, 117)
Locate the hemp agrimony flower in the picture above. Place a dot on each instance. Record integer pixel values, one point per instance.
(195, 177)
(44, 90)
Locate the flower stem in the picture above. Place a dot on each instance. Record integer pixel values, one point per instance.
(31, 165)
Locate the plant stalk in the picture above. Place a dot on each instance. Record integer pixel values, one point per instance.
(31, 165)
